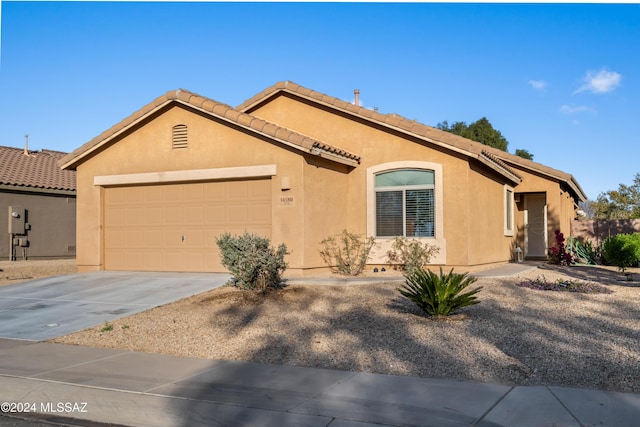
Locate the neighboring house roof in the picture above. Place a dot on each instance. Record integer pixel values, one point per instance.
(221, 111)
(31, 170)
(492, 157)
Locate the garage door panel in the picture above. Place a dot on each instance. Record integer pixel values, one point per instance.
(260, 214)
(215, 193)
(215, 215)
(194, 193)
(154, 238)
(194, 215)
(258, 188)
(117, 217)
(237, 214)
(172, 261)
(237, 190)
(144, 225)
(155, 194)
(133, 194)
(115, 237)
(136, 217)
(153, 215)
(172, 215)
(151, 259)
(196, 261)
(172, 238)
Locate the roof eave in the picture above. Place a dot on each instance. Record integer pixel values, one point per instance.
(283, 87)
(550, 172)
(41, 190)
(313, 150)
(573, 184)
(73, 159)
(515, 179)
(355, 111)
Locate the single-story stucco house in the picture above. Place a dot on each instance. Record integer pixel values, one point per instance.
(156, 189)
(37, 205)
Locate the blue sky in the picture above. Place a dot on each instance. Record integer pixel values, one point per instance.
(560, 80)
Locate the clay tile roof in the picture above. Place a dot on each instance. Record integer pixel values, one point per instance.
(500, 163)
(219, 110)
(500, 159)
(37, 169)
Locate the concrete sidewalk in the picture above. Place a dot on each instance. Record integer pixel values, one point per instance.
(144, 389)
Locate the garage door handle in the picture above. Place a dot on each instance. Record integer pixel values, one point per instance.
(182, 239)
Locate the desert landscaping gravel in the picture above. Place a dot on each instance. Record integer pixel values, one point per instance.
(21, 270)
(515, 336)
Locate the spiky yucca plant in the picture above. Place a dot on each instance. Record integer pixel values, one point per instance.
(439, 294)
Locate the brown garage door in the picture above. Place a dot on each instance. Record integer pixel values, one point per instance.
(172, 227)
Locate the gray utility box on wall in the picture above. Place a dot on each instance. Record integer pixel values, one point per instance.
(17, 220)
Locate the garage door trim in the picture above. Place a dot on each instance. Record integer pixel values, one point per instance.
(186, 175)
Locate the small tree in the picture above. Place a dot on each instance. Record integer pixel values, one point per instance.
(346, 253)
(254, 263)
(481, 131)
(521, 152)
(623, 203)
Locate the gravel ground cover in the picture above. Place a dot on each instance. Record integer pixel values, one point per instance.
(19, 271)
(515, 336)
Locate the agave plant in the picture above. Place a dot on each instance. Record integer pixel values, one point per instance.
(439, 294)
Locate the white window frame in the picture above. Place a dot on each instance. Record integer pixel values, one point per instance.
(509, 210)
(403, 190)
(379, 254)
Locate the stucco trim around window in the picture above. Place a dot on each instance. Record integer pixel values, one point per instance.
(186, 175)
(509, 208)
(379, 255)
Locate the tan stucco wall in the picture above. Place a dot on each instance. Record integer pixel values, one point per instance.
(485, 238)
(211, 145)
(473, 203)
(324, 197)
(560, 204)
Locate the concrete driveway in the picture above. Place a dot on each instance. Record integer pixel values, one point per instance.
(42, 309)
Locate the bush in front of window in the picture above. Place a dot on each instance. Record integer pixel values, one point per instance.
(254, 263)
(346, 253)
(439, 294)
(409, 254)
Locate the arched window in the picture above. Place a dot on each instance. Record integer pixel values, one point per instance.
(179, 136)
(405, 203)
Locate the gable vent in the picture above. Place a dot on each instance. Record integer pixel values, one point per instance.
(180, 139)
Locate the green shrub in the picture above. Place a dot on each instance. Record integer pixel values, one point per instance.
(346, 253)
(252, 261)
(621, 250)
(408, 255)
(439, 294)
